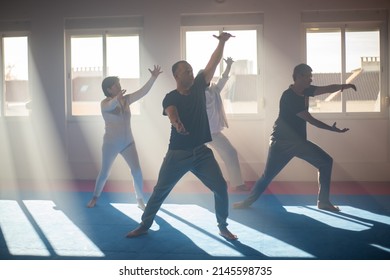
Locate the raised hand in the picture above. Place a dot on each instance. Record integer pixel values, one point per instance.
(121, 94)
(229, 60)
(156, 71)
(224, 36)
(336, 129)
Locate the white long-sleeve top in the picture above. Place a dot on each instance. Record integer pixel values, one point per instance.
(117, 117)
(214, 105)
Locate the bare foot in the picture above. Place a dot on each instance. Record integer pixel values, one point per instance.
(241, 205)
(141, 204)
(92, 202)
(140, 230)
(327, 206)
(224, 232)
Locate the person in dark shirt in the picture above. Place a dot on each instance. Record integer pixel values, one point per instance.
(289, 137)
(186, 109)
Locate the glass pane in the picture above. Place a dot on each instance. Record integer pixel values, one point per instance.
(362, 66)
(199, 47)
(241, 93)
(17, 94)
(123, 61)
(243, 49)
(123, 56)
(323, 47)
(87, 75)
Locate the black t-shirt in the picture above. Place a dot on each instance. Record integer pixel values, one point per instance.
(288, 125)
(192, 112)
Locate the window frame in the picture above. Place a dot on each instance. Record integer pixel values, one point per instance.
(5, 34)
(326, 21)
(231, 22)
(104, 32)
(259, 32)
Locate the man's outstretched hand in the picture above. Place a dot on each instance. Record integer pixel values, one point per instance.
(224, 36)
(336, 129)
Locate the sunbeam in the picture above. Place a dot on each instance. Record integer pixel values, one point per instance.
(20, 236)
(64, 236)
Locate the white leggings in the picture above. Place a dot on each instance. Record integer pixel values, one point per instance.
(229, 155)
(131, 157)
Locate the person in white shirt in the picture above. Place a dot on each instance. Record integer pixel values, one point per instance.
(217, 120)
(118, 137)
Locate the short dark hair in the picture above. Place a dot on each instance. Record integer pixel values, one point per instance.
(107, 83)
(301, 69)
(176, 65)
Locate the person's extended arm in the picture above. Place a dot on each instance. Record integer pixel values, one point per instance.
(146, 87)
(215, 57)
(225, 76)
(174, 118)
(229, 61)
(110, 103)
(333, 88)
(317, 123)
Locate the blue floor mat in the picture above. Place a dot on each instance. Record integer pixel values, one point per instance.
(57, 225)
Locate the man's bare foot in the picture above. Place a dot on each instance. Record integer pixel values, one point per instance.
(140, 230)
(92, 202)
(225, 233)
(241, 205)
(141, 204)
(327, 206)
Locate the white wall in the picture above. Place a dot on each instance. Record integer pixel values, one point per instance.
(50, 146)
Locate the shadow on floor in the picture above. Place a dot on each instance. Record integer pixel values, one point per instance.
(57, 225)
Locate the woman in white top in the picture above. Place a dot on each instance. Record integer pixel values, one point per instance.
(118, 138)
(217, 120)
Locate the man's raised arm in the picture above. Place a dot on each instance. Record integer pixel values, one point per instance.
(216, 56)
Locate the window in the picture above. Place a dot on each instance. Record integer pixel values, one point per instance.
(97, 48)
(347, 53)
(242, 95)
(95, 56)
(15, 90)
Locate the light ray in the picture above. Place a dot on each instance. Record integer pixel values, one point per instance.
(198, 224)
(20, 236)
(65, 237)
(351, 219)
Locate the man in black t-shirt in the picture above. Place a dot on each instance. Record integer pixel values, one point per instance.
(289, 138)
(186, 109)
